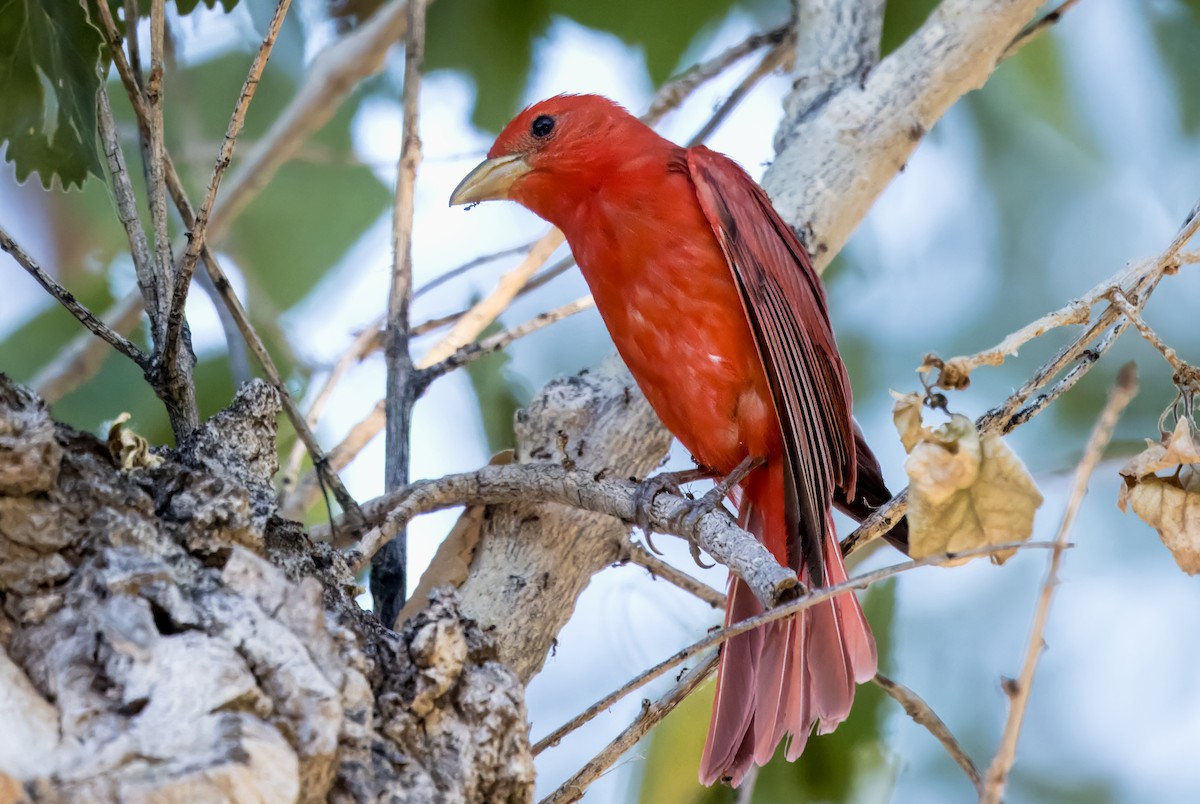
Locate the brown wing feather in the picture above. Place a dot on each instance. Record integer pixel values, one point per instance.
(785, 305)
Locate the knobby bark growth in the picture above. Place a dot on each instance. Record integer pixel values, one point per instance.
(164, 636)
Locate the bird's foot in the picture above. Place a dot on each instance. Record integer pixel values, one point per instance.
(686, 521)
(651, 487)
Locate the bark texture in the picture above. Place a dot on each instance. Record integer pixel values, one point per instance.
(165, 637)
(519, 586)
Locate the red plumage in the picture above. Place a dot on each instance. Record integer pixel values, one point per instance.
(713, 304)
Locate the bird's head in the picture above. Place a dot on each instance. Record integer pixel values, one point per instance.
(554, 148)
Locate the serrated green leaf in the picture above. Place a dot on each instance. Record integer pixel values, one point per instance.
(48, 83)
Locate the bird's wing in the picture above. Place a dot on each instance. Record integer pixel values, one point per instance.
(785, 305)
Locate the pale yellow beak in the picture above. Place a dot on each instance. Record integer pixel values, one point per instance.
(490, 180)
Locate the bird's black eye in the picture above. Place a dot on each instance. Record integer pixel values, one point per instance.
(543, 124)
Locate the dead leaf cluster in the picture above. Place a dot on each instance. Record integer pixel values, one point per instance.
(1169, 503)
(965, 490)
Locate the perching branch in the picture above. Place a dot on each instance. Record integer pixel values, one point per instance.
(715, 532)
(1118, 399)
(73, 305)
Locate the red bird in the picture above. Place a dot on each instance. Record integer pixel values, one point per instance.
(713, 304)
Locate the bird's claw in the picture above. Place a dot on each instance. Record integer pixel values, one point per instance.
(647, 490)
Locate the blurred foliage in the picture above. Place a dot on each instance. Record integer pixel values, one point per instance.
(493, 42)
(834, 767)
(900, 19)
(1175, 31)
(499, 394)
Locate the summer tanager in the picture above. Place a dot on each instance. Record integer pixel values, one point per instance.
(713, 304)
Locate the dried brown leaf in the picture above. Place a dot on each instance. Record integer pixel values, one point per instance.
(1170, 504)
(966, 492)
(906, 414)
(128, 449)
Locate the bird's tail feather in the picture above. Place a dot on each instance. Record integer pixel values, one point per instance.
(787, 676)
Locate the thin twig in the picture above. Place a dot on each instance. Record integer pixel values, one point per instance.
(363, 344)
(1019, 691)
(487, 346)
(335, 73)
(139, 246)
(468, 326)
(722, 635)
(673, 93)
(389, 568)
(651, 714)
(772, 60)
(157, 307)
(74, 307)
(1185, 374)
(1137, 281)
(923, 715)
(471, 265)
(636, 554)
(1033, 29)
(198, 228)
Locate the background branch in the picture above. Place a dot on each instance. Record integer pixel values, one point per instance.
(389, 568)
(1019, 691)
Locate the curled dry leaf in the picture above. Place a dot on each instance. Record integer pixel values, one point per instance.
(965, 491)
(1170, 503)
(906, 413)
(128, 449)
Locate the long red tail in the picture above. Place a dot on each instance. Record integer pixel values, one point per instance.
(785, 677)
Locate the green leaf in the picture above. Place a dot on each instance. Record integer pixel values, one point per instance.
(48, 82)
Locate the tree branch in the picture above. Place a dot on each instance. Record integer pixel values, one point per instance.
(389, 569)
(715, 532)
(837, 44)
(1118, 399)
(834, 159)
(923, 715)
(73, 306)
(198, 228)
